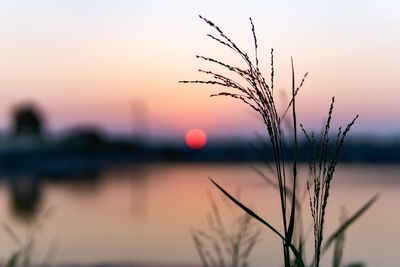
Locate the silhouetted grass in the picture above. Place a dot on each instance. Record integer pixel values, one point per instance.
(22, 256)
(226, 244)
(322, 167)
(252, 88)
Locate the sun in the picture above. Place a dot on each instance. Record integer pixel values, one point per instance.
(196, 139)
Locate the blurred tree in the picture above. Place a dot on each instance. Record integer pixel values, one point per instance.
(27, 120)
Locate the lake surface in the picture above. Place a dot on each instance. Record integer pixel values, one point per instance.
(144, 213)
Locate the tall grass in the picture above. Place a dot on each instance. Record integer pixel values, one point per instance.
(25, 242)
(322, 169)
(226, 244)
(255, 90)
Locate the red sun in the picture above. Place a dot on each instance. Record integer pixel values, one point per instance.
(196, 139)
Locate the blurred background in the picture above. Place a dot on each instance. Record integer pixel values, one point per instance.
(104, 156)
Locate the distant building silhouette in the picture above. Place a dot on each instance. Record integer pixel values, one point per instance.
(27, 121)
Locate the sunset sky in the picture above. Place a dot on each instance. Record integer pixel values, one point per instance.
(89, 62)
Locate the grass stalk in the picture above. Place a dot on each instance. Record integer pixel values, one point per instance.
(251, 87)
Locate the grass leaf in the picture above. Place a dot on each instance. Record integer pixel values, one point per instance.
(296, 253)
(12, 262)
(247, 210)
(348, 222)
(293, 206)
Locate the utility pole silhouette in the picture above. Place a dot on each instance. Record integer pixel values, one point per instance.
(140, 120)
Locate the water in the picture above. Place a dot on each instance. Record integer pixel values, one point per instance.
(143, 214)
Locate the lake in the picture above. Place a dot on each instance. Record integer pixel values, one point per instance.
(144, 213)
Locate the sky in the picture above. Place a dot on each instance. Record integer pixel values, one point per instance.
(116, 64)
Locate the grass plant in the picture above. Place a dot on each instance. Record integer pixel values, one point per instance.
(226, 244)
(22, 256)
(255, 90)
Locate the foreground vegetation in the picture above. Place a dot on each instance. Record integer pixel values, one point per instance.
(250, 86)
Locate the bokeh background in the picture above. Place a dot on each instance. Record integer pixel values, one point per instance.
(94, 163)
(87, 61)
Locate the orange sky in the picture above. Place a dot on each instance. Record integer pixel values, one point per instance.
(88, 61)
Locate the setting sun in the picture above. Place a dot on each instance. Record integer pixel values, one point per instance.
(196, 139)
(190, 133)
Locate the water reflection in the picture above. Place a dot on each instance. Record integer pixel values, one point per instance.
(26, 195)
(26, 192)
(96, 213)
(140, 186)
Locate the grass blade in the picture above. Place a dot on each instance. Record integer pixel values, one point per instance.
(299, 260)
(293, 207)
(348, 222)
(297, 254)
(11, 233)
(247, 210)
(12, 262)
